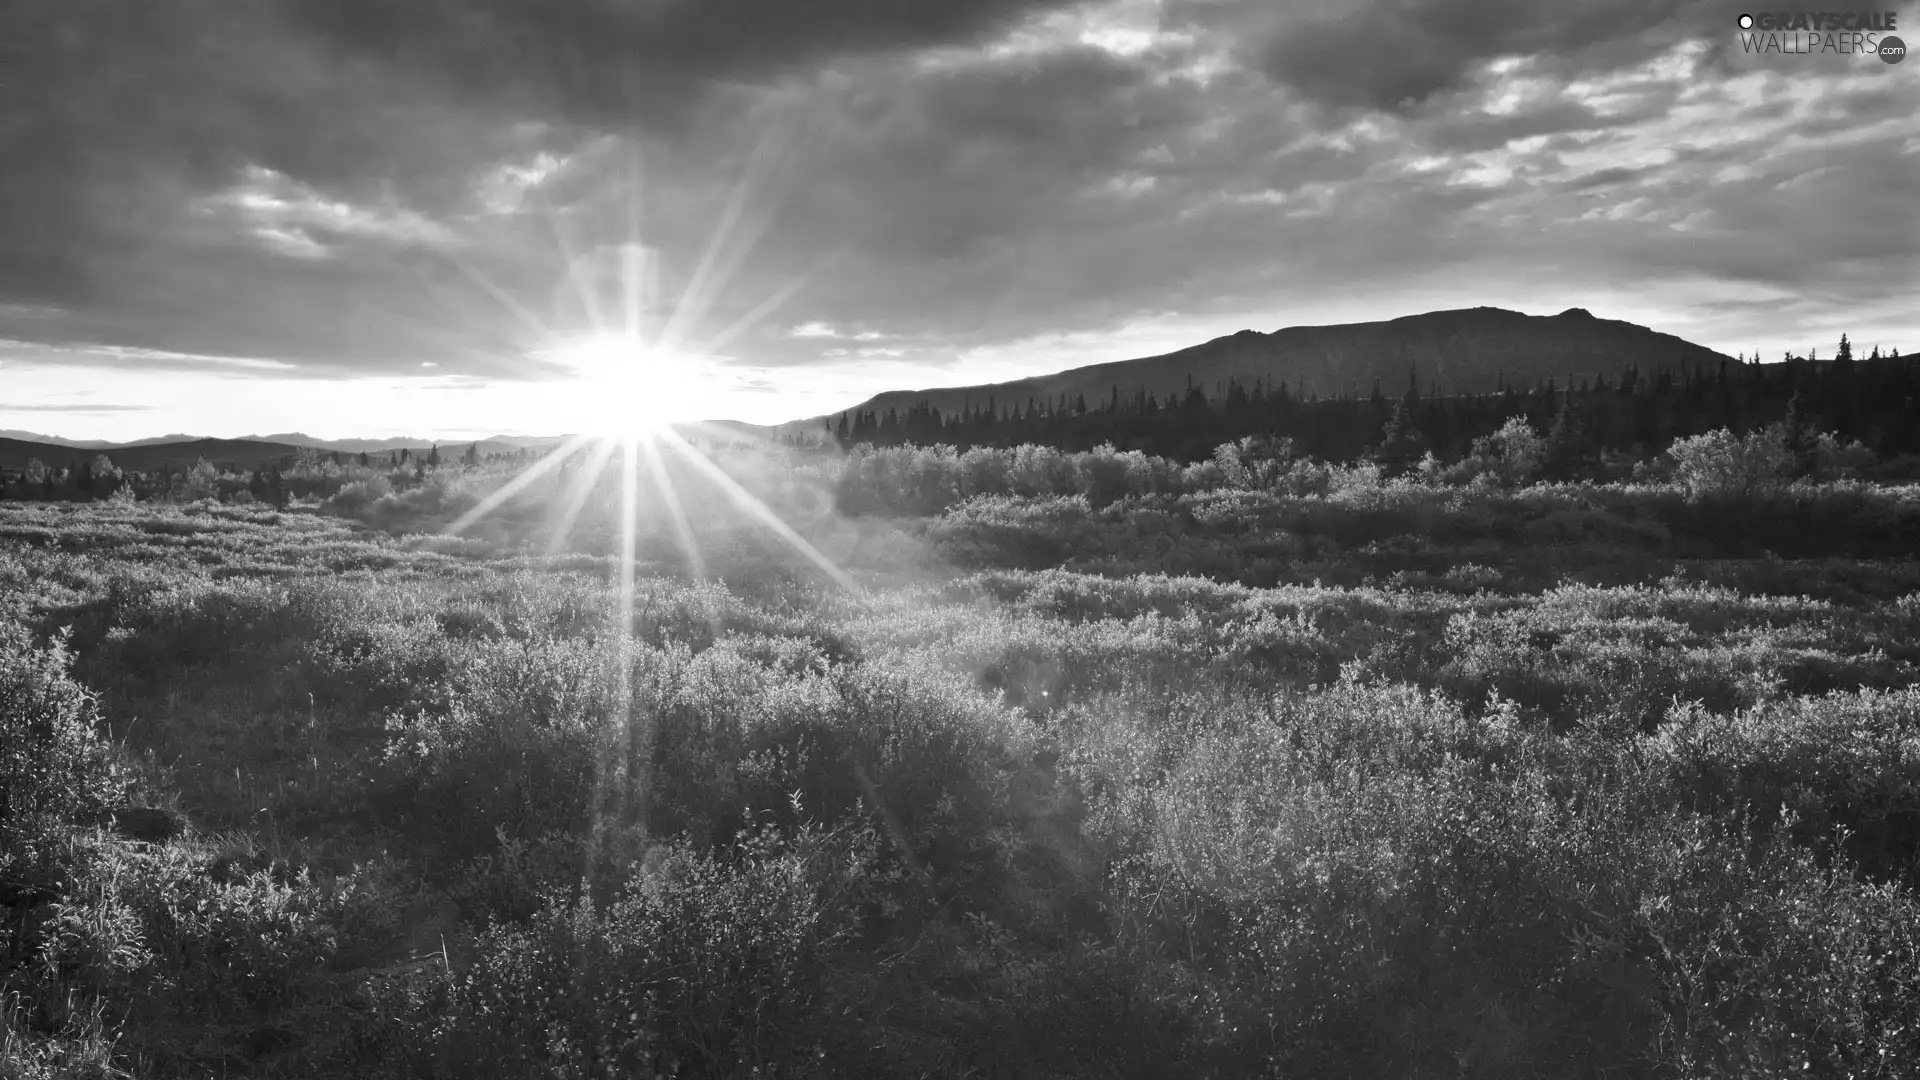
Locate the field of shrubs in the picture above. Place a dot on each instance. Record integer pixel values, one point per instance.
(1103, 766)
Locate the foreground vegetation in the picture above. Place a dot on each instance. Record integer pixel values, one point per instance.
(1109, 766)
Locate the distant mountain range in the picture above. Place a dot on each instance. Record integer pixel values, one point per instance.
(182, 451)
(1464, 351)
(382, 446)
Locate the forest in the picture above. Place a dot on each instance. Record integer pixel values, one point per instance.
(1483, 744)
(1601, 420)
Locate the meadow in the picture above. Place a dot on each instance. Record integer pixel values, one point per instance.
(1091, 765)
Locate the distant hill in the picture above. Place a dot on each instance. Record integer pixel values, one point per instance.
(52, 440)
(1463, 351)
(234, 453)
(499, 444)
(182, 451)
(530, 442)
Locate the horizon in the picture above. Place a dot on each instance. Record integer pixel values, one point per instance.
(462, 436)
(353, 223)
(497, 434)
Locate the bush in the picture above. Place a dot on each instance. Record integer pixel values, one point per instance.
(1514, 455)
(54, 769)
(1846, 761)
(1721, 463)
(353, 498)
(706, 965)
(1001, 530)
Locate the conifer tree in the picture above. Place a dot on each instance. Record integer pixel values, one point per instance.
(1796, 431)
(1567, 453)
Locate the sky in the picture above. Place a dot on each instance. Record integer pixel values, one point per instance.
(361, 218)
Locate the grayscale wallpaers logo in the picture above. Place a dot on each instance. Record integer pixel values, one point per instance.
(1801, 33)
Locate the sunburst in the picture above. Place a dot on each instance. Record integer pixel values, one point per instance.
(638, 387)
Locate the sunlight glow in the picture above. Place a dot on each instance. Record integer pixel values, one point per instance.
(621, 386)
(630, 390)
(634, 378)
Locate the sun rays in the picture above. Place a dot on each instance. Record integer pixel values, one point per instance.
(638, 382)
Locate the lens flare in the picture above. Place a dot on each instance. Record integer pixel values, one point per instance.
(620, 386)
(634, 392)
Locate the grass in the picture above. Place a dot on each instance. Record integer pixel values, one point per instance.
(1371, 780)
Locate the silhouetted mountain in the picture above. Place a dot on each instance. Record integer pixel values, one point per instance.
(181, 452)
(152, 440)
(380, 446)
(1464, 351)
(529, 442)
(52, 440)
(233, 453)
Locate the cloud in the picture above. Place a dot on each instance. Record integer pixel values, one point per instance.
(1373, 54)
(818, 329)
(612, 65)
(129, 358)
(288, 214)
(76, 408)
(271, 188)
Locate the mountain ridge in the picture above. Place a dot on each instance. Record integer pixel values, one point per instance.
(1462, 350)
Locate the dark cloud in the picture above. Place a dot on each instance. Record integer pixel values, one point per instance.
(116, 116)
(1606, 178)
(1466, 132)
(1377, 54)
(624, 64)
(117, 123)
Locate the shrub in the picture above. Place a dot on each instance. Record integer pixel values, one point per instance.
(1846, 761)
(354, 497)
(1722, 463)
(54, 769)
(705, 965)
(1006, 531)
(1514, 455)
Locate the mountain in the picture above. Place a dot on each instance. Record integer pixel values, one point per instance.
(528, 442)
(234, 453)
(52, 440)
(345, 446)
(495, 445)
(182, 451)
(1463, 351)
(151, 440)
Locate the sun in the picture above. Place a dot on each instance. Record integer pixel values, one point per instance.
(621, 386)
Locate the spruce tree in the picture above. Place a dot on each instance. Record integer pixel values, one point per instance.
(1796, 432)
(1567, 454)
(1400, 442)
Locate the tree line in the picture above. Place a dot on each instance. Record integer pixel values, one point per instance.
(306, 472)
(1636, 413)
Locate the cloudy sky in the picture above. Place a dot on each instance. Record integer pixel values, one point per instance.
(361, 217)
